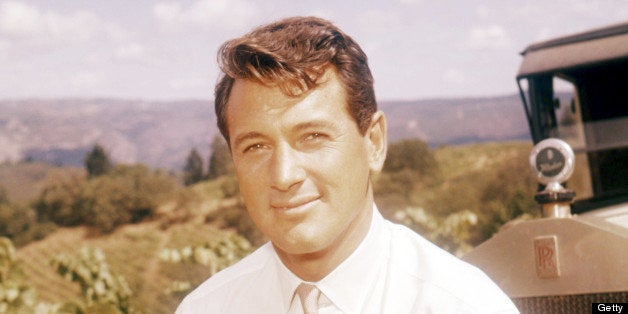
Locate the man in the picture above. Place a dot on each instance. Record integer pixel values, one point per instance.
(297, 108)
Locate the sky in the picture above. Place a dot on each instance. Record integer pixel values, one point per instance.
(166, 50)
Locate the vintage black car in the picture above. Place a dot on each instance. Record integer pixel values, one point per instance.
(575, 92)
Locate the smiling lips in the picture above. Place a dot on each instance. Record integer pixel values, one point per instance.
(290, 205)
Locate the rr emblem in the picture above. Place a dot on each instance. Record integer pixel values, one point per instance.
(546, 257)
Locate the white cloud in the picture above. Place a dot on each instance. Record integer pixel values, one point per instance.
(410, 1)
(324, 13)
(544, 34)
(482, 12)
(207, 14)
(488, 37)
(84, 80)
(19, 20)
(454, 76)
(376, 19)
(189, 83)
(132, 51)
(167, 11)
(4, 47)
(79, 26)
(22, 23)
(585, 7)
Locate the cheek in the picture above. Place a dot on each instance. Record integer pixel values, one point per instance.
(342, 169)
(251, 183)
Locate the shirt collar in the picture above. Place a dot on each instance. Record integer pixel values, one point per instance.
(359, 269)
(288, 282)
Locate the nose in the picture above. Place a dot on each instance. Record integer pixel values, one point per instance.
(287, 170)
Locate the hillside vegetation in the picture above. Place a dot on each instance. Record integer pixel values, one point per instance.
(456, 196)
(22, 181)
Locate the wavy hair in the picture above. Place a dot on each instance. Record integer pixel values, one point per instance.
(293, 54)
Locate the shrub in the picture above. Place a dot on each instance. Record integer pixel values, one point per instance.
(410, 165)
(216, 254)
(507, 196)
(229, 186)
(413, 154)
(129, 194)
(102, 290)
(15, 295)
(400, 183)
(4, 196)
(451, 233)
(56, 202)
(15, 219)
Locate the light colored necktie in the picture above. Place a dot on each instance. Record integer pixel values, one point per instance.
(309, 298)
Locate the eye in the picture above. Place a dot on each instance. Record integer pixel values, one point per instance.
(315, 136)
(313, 140)
(252, 148)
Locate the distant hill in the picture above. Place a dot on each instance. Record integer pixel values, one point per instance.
(161, 134)
(458, 121)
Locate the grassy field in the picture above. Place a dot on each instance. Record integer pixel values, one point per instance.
(132, 250)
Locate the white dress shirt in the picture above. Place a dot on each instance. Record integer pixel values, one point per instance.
(393, 270)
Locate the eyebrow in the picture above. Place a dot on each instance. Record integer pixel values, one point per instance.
(246, 136)
(315, 124)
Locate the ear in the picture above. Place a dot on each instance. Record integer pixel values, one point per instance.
(376, 141)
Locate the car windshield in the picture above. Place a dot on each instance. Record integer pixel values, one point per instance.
(588, 108)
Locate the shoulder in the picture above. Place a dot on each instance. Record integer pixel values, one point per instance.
(215, 293)
(443, 276)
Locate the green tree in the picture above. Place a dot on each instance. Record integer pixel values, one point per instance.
(20, 224)
(409, 165)
(15, 220)
(413, 154)
(4, 196)
(508, 195)
(97, 162)
(220, 162)
(193, 170)
(127, 195)
(57, 200)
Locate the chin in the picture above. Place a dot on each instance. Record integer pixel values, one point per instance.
(301, 245)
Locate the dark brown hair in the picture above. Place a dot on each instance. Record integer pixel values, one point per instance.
(292, 54)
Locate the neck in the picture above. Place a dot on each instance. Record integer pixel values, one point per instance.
(316, 265)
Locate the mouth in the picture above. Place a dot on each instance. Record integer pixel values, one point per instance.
(294, 205)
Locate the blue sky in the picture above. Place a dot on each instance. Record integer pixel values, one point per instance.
(165, 50)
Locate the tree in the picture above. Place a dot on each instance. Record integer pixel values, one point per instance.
(220, 162)
(413, 154)
(128, 194)
(57, 200)
(409, 164)
(4, 196)
(97, 162)
(16, 220)
(193, 170)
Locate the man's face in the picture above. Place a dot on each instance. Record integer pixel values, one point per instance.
(302, 164)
